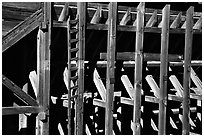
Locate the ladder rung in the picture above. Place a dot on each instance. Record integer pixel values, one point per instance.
(74, 59)
(73, 21)
(74, 40)
(74, 68)
(73, 30)
(74, 78)
(74, 49)
(74, 87)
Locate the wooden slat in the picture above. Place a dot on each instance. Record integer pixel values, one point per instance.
(186, 79)
(43, 69)
(147, 56)
(164, 70)
(126, 17)
(20, 110)
(98, 102)
(152, 20)
(110, 71)
(21, 30)
(81, 13)
(138, 69)
(18, 91)
(177, 21)
(97, 16)
(64, 13)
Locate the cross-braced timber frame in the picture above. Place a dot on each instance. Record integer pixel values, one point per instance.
(146, 20)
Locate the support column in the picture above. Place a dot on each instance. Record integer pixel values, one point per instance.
(110, 72)
(136, 126)
(81, 57)
(187, 70)
(164, 69)
(43, 69)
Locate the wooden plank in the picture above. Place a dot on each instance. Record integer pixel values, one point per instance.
(151, 22)
(81, 13)
(21, 30)
(110, 71)
(20, 110)
(126, 18)
(164, 70)
(97, 15)
(186, 79)
(99, 85)
(43, 68)
(177, 21)
(18, 91)
(64, 13)
(175, 82)
(138, 69)
(147, 56)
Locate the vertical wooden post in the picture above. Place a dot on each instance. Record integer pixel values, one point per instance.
(43, 69)
(110, 72)
(187, 69)
(69, 75)
(81, 57)
(138, 69)
(164, 69)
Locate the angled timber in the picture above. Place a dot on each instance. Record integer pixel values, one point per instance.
(18, 91)
(21, 30)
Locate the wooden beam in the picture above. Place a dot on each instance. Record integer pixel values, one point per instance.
(126, 17)
(18, 91)
(67, 80)
(21, 30)
(177, 21)
(43, 68)
(110, 71)
(128, 86)
(164, 69)
(34, 81)
(99, 85)
(20, 110)
(138, 69)
(196, 81)
(152, 20)
(153, 85)
(64, 13)
(187, 67)
(128, 28)
(97, 15)
(146, 56)
(81, 13)
(198, 24)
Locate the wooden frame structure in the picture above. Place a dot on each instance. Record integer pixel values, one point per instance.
(145, 20)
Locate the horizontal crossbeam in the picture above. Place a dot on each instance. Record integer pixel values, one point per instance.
(20, 110)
